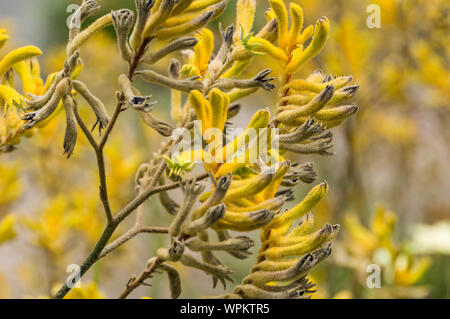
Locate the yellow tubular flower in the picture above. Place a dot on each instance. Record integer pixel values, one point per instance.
(330, 117)
(225, 107)
(237, 68)
(244, 221)
(245, 14)
(290, 240)
(312, 107)
(237, 94)
(240, 189)
(8, 95)
(161, 13)
(270, 14)
(233, 161)
(198, 102)
(311, 243)
(304, 85)
(17, 56)
(198, 5)
(260, 120)
(181, 16)
(35, 68)
(265, 46)
(252, 186)
(24, 72)
(281, 224)
(270, 204)
(317, 43)
(84, 36)
(274, 265)
(239, 160)
(304, 36)
(191, 25)
(181, 6)
(296, 13)
(238, 227)
(337, 113)
(203, 49)
(272, 188)
(219, 107)
(241, 203)
(180, 19)
(282, 17)
(305, 225)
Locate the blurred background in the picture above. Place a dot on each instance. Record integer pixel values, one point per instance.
(389, 180)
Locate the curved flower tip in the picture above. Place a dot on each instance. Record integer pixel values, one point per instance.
(18, 55)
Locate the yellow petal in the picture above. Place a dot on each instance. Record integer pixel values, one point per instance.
(309, 244)
(297, 23)
(176, 112)
(282, 17)
(237, 94)
(237, 68)
(267, 47)
(199, 5)
(281, 225)
(245, 14)
(156, 19)
(24, 72)
(8, 94)
(272, 188)
(16, 56)
(198, 102)
(216, 102)
(203, 49)
(194, 24)
(317, 43)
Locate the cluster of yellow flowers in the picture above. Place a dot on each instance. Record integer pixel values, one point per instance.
(375, 244)
(14, 105)
(305, 109)
(23, 62)
(245, 195)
